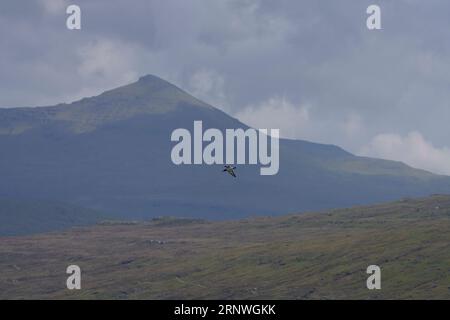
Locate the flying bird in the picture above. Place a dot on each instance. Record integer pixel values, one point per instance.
(230, 170)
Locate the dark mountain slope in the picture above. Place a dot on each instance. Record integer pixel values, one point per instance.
(19, 217)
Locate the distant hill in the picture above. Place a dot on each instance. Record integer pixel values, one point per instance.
(19, 217)
(301, 256)
(112, 153)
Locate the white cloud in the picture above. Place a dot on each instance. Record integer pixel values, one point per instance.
(412, 149)
(105, 64)
(301, 121)
(107, 59)
(277, 113)
(353, 125)
(209, 86)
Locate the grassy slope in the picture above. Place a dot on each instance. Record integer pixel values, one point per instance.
(308, 256)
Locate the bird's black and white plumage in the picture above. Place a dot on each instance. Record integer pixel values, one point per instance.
(230, 170)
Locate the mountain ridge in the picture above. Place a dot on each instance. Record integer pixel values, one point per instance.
(148, 95)
(111, 153)
(145, 86)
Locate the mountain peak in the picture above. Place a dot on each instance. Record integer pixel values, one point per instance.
(149, 95)
(148, 87)
(149, 84)
(149, 78)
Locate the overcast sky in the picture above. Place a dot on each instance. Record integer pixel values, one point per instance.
(310, 68)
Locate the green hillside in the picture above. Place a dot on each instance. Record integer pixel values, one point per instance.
(300, 256)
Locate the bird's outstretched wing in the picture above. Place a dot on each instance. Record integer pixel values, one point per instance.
(230, 170)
